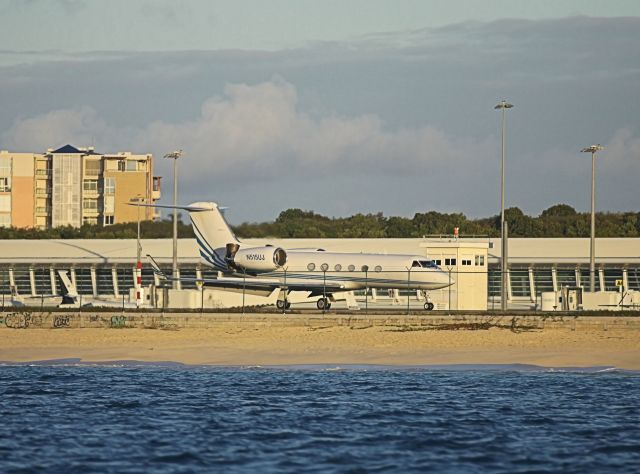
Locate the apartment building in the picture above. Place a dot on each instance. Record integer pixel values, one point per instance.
(73, 186)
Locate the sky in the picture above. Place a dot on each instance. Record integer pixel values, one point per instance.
(340, 107)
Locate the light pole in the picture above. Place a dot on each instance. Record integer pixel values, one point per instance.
(503, 105)
(175, 155)
(138, 198)
(592, 253)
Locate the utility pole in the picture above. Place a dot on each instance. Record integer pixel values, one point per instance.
(593, 149)
(175, 155)
(503, 105)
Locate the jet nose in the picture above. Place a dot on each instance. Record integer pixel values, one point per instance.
(446, 279)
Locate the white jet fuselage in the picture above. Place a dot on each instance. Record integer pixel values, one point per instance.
(360, 270)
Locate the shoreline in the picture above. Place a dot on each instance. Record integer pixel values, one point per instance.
(251, 345)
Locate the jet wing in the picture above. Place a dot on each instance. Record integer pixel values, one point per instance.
(315, 286)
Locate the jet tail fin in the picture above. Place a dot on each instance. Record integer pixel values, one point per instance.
(212, 231)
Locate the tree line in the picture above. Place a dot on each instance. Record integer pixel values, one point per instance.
(560, 220)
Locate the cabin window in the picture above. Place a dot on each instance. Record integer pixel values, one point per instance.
(338, 267)
(365, 268)
(352, 268)
(378, 268)
(311, 267)
(324, 267)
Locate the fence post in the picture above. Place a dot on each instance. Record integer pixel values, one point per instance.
(408, 290)
(244, 286)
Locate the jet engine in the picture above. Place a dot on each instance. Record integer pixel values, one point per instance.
(259, 259)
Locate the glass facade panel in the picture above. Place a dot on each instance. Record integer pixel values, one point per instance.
(494, 281)
(147, 276)
(104, 281)
(584, 279)
(22, 280)
(610, 277)
(566, 276)
(83, 281)
(633, 275)
(520, 282)
(43, 281)
(125, 280)
(543, 280)
(190, 274)
(4, 281)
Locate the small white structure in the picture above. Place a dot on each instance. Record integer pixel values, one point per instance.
(467, 263)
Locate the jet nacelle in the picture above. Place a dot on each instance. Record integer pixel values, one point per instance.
(260, 259)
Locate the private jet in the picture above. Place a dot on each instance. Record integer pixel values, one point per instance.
(322, 274)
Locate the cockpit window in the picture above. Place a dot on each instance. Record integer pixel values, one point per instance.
(415, 264)
(428, 264)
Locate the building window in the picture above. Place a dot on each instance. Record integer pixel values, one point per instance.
(132, 165)
(90, 204)
(5, 220)
(5, 185)
(479, 260)
(450, 262)
(92, 168)
(466, 262)
(5, 166)
(5, 203)
(437, 262)
(90, 185)
(109, 220)
(109, 204)
(109, 185)
(121, 165)
(89, 221)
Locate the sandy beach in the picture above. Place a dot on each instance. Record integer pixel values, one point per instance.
(331, 345)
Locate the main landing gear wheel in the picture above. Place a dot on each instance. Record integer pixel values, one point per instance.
(281, 304)
(323, 303)
(428, 306)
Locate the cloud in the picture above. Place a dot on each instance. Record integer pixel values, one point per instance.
(258, 132)
(81, 126)
(409, 111)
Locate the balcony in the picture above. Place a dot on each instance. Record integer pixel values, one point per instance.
(41, 191)
(43, 172)
(43, 211)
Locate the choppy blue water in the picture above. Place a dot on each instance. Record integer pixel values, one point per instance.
(360, 419)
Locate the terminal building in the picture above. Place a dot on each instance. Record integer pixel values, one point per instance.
(72, 186)
(106, 268)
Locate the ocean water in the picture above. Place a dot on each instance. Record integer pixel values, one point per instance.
(170, 418)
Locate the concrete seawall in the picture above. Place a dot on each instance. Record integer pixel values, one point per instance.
(175, 321)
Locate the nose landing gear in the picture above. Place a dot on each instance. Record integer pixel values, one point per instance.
(428, 305)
